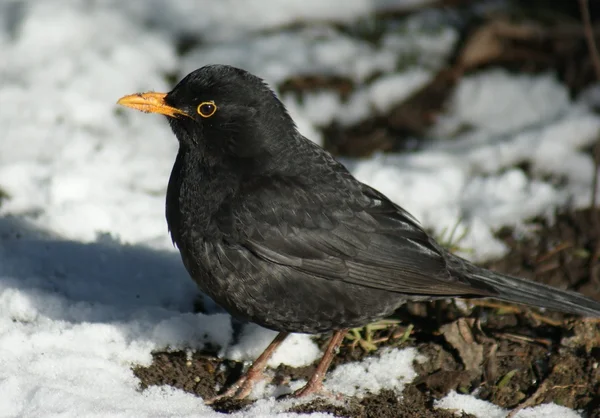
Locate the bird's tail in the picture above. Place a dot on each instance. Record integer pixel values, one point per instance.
(513, 289)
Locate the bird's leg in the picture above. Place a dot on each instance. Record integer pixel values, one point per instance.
(243, 386)
(315, 384)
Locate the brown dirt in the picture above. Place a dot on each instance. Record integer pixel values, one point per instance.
(526, 357)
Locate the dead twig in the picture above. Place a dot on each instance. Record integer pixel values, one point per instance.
(589, 35)
(592, 320)
(557, 249)
(516, 310)
(523, 338)
(548, 267)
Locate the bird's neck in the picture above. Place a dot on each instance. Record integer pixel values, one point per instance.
(197, 190)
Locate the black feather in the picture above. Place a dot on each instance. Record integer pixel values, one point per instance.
(278, 232)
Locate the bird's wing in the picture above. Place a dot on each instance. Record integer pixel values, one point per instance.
(352, 235)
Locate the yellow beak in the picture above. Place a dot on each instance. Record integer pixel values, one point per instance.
(150, 103)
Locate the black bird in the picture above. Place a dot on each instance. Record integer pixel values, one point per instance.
(279, 233)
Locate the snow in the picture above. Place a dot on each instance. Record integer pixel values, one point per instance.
(470, 177)
(246, 16)
(322, 50)
(90, 284)
(487, 101)
(482, 409)
(393, 89)
(297, 350)
(392, 369)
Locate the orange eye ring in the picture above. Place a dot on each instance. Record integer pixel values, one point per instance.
(207, 109)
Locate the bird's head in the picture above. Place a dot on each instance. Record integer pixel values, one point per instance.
(221, 112)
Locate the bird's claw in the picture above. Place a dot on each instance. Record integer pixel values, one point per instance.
(317, 390)
(241, 389)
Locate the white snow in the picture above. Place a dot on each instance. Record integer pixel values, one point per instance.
(482, 409)
(391, 369)
(297, 350)
(235, 18)
(487, 101)
(90, 284)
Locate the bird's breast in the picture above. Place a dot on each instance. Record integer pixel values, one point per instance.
(197, 200)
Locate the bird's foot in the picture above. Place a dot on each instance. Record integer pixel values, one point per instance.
(244, 385)
(239, 390)
(310, 389)
(316, 389)
(315, 384)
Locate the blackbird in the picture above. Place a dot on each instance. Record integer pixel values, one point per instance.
(279, 233)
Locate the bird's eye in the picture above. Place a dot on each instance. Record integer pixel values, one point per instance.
(207, 109)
